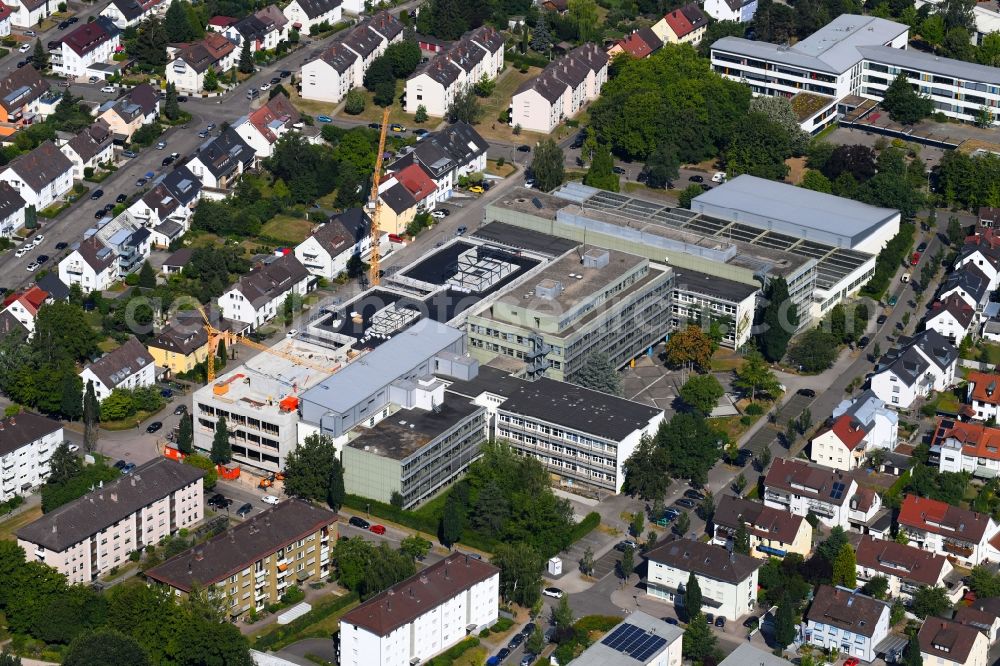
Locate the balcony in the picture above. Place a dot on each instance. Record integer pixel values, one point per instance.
(961, 550)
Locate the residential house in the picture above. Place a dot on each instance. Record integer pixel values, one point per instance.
(639, 640)
(982, 250)
(30, 13)
(285, 546)
(89, 536)
(989, 217)
(6, 16)
(20, 92)
(430, 45)
(90, 264)
(262, 128)
(275, 21)
(189, 63)
(330, 247)
(746, 653)
(980, 619)
(922, 364)
(953, 318)
(950, 643)
(130, 13)
(218, 163)
(304, 14)
(424, 615)
(982, 397)
(176, 262)
(27, 441)
(731, 10)
(183, 343)
(971, 284)
(857, 427)
(728, 580)
(478, 54)
(12, 207)
(50, 282)
(41, 176)
(262, 36)
(141, 106)
(639, 44)
(967, 447)
(127, 238)
(800, 488)
(90, 148)
(89, 44)
(24, 305)
(947, 530)
(557, 6)
(259, 295)
(685, 25)
(772, 532)
(445, 155)
(561, 90)
(9, 325)
(906, 568)
(127, 367)
(166, 210)
(851, 622)
(403, 194)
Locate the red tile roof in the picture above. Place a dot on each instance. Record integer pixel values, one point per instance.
(221, 21)
(678, 23)
(977, 439)
(31, 300)
(849, 430)
(635, 46)
(416, 181)
(942, 518)
(985, 387)
(5, 11)
(946, 639)
(87, 37)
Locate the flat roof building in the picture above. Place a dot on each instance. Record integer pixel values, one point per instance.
(255, 562)
(640, 640)
(588, 300)
(88, 536)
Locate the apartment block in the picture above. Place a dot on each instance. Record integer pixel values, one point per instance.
(27, 441)
(252, 564)
(847, 621)
(87, 537)
(907, 568)
(966, 536)
(801, 488)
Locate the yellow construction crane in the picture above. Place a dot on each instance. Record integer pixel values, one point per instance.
(373, 269)
(215, 334)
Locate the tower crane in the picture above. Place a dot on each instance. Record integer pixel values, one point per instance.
(215, 334)
(373, 268)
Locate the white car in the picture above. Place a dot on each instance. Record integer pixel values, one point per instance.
(24, 48)
(73, 448)
(32, 267)
(269, 499)
(108, 89)
(439, 214)
(292, 332)
(20, 253)
(265, 86)
(38, 239)
(161, 145)
(719, 177)
(553, 592)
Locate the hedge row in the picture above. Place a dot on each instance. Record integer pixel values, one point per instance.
(585, 527)
(889, 259)
(448, 657)
(323, 610)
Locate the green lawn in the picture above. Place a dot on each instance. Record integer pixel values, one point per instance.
(287, 229)
(11, 525)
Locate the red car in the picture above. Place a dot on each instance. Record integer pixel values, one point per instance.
(377, 529)
(852, 661)
(916, 259)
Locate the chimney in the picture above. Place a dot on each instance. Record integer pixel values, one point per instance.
(114, 497)
(55, 528)
(199, 554)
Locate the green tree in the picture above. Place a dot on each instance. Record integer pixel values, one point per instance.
(171, 105)
(816, 181)
(40, 57)
(690, 347)
(308, 468)
(91, 417)
(8, 659)
(452, 520)
(147, 278)
(741, 540)
(701, 393)
(30, 218)
(877, 587)
(646, 470)
(71, 403)
(912, 655)
(541, 39)
(601, 174)
(706, 509)
(222, 450)
(691, 446)
(778, 320)
(815, 351)
(206, 464)
(404, 57)
(547, 166)
(626, 565)
(699, 643)
(930, 602)
(465, 107)
(521, 568)
(758, 147)
(354, 103)
(692, 596)
(688, 194)
(415, 546)
(562, 615)
(64, 465)
(784, 623)
(211, 82)
(335, 491)
(755, 376)
(246, 65)
(583, 14)
(845, 567)
(105, 647)
(421, 115)
(956, 232)
(185, 435)
(904, 104)
(535, 643)
(637, 524)
(662, 166)
(485, 86)
(151, 45)
(587, 562)
(598, 374)
(176, 23)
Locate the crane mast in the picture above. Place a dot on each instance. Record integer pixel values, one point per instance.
(373, 267)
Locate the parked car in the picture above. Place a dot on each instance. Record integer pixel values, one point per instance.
(553, 592)
(396, 127)
(358, 521)
(265, 86)
(182, 99)
(154, 427)
(528, 629)
(377, 529)
(420, 133)
(618, 170)
(922, 247)
(528, 659)
(461, 230)
(72, 20)
(709, 619)
(269, 499)
(129, 154)
(72, 448)
(881, 319)
(622, 546)
(852, 661)
(37, 240)
(120, 465)
(807, 392)
(24, 48)
(160, 145)
(863, 342)
(22, 63)
(292, 332)
(41, 259)
(244, 510)
(140, 182)
(375, 126)
(96, 194)
(216, 499)
(284, 73)
(696, 179)
(324, 119)
(21, 252)
(108, 89)
(503, 654)
(686, 503)
(476, 189)
(94, 79)
(32, 267)
(694, 494)
(128, 468)
(180, 409)
(61, 245)
(524, 148)
(720, 622)
(275, 80)
(439, 214)
(893, 300)
(121, 198)
(515, 641)
(167, 393)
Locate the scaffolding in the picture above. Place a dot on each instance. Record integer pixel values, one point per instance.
(389, 320)
(480, 271)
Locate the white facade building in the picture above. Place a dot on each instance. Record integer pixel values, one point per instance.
(304, 14)
(423, 615)
(259, 295)
(728, 581)
(924, 363)
(951, 643)
(477, 54)
(41, 176)
(561, 90)
(128, 367)
(953, 318)
(326, 252)
(27, 441)
(801, 488)
(967, 447)
(90, 264)
(731, 10)
(848, 621)
(948, 530)
(87, 537)
(983, 396)
(87, 45)
(640, 640)
(906, 568)
(859, 426)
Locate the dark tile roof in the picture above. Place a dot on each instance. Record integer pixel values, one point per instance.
(160, 200)
(268, 281)
(936, 347)
(340, 57)
(405, 601)
(179, 258)
(343, 231)
(398, 198)
(91, 141)
(694, 15)
(10, 200)
(223, 154)
(96, 254)
(706, 560)
(103, 507)
(909, 364)
(946, 639)
(440, 69)
(385, 24)
(571, 69)
(362, 40)
(440, 152)
(21, 87)
(56, 288)
(938, 517)
(9, 325)
(130, 9)
(808, 480)
(846, 610)
(252, 28)
(145, 97)
(895, 559)
(24, 428)
(88, 36)
(956, 306)
(314, 8)
(41, 166)
(239, 547)
(489, 37)
(970, 279)
(763, 521)
(182, 185)
(118, 364)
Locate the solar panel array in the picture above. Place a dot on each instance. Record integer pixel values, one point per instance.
(634, 642)
(838, 490)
